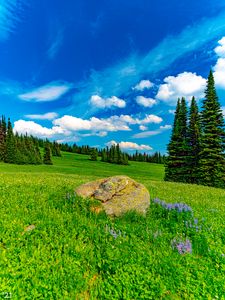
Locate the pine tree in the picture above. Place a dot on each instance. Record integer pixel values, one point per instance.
(194, 135)
(94, 154)
(47, 154)
(212, 159)
(2, 139)
(104, 156)
(10, 156)
(176, 164)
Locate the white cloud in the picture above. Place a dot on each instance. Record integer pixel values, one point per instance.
(129, 146)
(48, 92)
(100, 102)
(219, 68)
(67, 126)
(32, 128)
(146, 102)
(151, 119)
(185, 84)
(143, 128)
(223, 110)
(93, 124)
(165, 127)
(219, 73)
(171, 111)
(47, 116)
(143, 84)
(220, 50)
(152, 132)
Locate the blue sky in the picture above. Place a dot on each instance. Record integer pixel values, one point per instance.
(99, 72)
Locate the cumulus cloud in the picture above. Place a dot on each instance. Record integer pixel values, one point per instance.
(143, 128)
(47, 116)
(32, 128)
(219, 68)
(95, 124)
(49, 92)
(67, 125)
(146, 102)
(129, 146)
(220, 50)
(152, 132)
(185, 84)
(143, 84)
(100, 102)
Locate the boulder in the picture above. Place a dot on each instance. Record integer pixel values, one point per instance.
(118, 194)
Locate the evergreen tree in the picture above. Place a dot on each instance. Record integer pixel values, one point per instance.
(94, 154)
(47, 154)
(2, 139)
(176, 164)
(10, 156)
(194, 134)
(212, 159)
(104, 155)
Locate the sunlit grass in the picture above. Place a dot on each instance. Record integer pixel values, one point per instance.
(71, 252)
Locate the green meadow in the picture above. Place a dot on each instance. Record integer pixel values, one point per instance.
(73, 253)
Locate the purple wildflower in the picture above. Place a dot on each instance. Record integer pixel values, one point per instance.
(182, 247)
(113, 232)
(179, 207)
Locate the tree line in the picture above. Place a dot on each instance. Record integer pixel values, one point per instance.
(24, 149)
(107, 155)
(196, 151)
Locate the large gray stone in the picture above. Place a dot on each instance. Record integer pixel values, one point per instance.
(118, 194)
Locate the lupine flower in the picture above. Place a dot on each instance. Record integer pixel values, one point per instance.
(179, 207)
(113, 232)
(183, 247)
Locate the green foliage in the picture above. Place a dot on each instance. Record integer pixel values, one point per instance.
(212, 159)
(176, 163)
(47, 158)
(194, 143)
(73, 253)
(114, 155)
(94, 154)
(197, 151)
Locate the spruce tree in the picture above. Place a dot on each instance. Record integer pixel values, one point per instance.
(212, 159)
(104, 156)
(94, 154)
(47, 154)
(2, 139)
(10, 156)
(176, 163)
(194, 134)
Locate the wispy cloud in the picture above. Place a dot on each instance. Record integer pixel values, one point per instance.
(10, 16)
(120, 78)
(49, 92)
(56, 43)
(145, 134)
(47, 116)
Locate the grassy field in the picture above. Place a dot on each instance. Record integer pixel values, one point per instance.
(72, 253)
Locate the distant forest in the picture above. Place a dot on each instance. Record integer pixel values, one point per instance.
(24, 149)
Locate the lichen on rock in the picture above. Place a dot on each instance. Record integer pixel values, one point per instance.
(118, 194)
